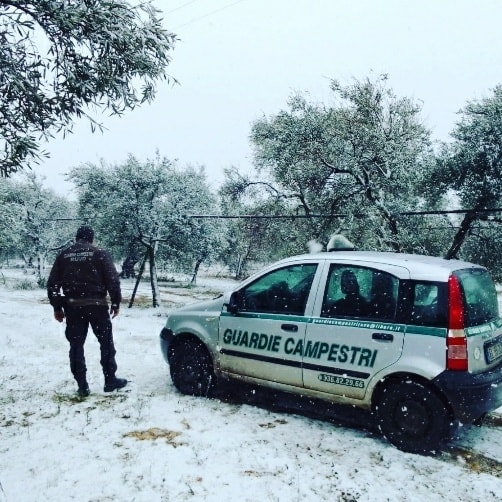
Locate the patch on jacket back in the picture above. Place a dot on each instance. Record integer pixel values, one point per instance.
(78, 255)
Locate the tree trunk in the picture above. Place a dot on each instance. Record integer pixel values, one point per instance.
(461, 234)
(138, 279)
(40, 267)
(28, 261)
(153, 275)
(238, 268)
(469, 218)
(389, 218)
(196, 270)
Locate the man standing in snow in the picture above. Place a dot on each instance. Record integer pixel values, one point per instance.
(86, 274)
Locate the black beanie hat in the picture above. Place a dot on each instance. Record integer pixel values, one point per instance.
(85, 233)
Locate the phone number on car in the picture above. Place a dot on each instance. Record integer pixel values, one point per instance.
(338, 380)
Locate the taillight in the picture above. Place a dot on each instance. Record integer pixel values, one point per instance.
(456, 341)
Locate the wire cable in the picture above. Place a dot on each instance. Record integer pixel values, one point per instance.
(207, 15)
(180, 7)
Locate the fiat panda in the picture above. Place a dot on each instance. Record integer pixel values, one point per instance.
(415, 339)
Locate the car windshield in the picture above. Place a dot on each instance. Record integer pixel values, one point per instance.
(480, 296)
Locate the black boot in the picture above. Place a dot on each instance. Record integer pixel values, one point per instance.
(83, 389)
(114, 384)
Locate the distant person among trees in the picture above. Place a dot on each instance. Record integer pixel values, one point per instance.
(128, 267)
(85, 274)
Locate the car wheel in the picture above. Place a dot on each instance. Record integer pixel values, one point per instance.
(191, 368)
(412, 417)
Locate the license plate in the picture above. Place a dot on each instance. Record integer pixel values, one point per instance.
(493, 351)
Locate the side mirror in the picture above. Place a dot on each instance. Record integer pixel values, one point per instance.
(232, 304)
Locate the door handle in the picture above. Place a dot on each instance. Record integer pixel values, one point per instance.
(289, 327)
(384, 337)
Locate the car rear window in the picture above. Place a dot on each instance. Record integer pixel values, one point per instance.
(429, 304)
(480, 296)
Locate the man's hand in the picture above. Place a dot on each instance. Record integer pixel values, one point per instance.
(59, 315)
(114, 311)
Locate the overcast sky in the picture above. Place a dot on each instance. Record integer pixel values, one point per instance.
(238, 60)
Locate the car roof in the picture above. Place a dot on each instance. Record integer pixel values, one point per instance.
(420, 266)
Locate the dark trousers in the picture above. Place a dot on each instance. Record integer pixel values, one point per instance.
(77, 325)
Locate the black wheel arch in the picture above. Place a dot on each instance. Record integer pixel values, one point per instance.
(394, 378)
(191, 365)
(186, 338)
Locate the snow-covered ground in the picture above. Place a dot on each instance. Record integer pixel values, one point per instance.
(150, 443)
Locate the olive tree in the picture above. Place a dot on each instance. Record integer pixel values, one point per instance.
(360, 161)
(471, 168)
(262, 223)
(147, 206)
(65, 59)
(36, 222)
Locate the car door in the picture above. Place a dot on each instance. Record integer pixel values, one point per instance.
(267, 319)
(353, 333)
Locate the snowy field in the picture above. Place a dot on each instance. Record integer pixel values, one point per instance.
(149, 443)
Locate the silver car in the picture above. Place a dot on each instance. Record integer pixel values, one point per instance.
(415, 339)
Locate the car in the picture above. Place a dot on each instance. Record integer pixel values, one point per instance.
(415, 339)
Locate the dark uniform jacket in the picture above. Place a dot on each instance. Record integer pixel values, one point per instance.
(85, 273)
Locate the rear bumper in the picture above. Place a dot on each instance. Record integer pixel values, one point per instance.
(166, 337)
(471, 395)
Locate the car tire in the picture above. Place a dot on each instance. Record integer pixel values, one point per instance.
(413, 417)
(191, 368)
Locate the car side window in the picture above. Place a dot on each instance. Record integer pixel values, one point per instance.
(429, 304)
(360, 292)
(283, 291)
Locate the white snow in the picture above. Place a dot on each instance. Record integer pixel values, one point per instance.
(149, 443)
